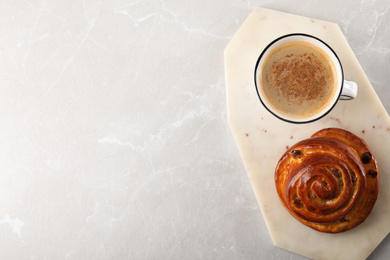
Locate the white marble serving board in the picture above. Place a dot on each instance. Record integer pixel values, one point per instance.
(262, 139)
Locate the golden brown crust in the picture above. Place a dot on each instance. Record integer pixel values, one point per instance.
(328, 182)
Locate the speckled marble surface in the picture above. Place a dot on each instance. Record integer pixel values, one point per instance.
(115, 138)
(262, 138)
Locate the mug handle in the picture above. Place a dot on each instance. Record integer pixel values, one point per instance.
(350, 90)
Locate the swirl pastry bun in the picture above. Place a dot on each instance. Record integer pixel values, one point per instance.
(328, 182)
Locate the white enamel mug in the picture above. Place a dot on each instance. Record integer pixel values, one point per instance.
(345, 90)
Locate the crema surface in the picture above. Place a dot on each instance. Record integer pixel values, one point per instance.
(299, 79)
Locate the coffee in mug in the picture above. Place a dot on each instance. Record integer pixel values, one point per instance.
(299, 78)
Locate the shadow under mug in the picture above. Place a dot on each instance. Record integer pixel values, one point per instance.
(345, 90)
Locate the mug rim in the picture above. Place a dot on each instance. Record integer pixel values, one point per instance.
(289, 119)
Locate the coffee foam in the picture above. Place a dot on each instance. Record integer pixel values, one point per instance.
(299, 79)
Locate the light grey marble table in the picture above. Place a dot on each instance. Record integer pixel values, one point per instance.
(114, 135)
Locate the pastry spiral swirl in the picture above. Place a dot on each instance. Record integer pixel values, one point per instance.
(328, 182)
